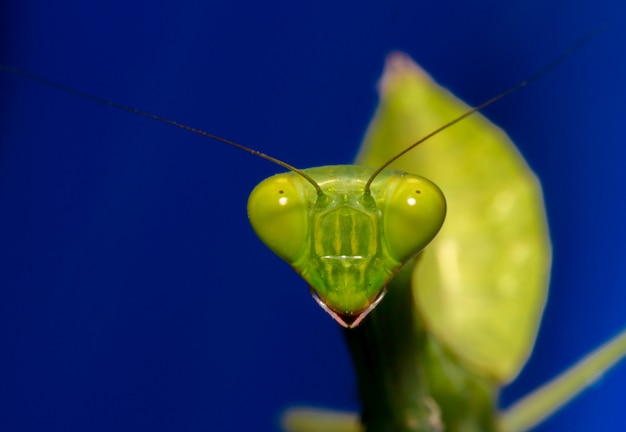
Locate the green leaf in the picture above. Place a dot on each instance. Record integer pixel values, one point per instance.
(481, 285)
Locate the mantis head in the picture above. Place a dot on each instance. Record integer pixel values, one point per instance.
(347, 240)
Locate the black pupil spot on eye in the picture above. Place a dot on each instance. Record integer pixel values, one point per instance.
(418, 191)
(281, 191)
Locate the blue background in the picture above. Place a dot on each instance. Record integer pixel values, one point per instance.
(133, 293)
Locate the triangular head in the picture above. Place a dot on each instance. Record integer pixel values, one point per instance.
(348, 241)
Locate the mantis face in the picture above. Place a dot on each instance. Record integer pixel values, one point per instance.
(345, 243)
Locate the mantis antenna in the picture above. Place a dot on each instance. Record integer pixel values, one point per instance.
(127, 108)
(556, 62)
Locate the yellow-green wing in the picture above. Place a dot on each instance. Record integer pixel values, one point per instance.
(481, 284)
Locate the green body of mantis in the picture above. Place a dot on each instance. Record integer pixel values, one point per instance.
(460, 319)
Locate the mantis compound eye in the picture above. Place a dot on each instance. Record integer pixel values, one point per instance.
(414, 213)
(278, 213)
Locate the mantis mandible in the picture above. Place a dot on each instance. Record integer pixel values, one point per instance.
(480, 365)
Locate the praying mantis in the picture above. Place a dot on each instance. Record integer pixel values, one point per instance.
(470, 355)
(136, 167)
(471, 323)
